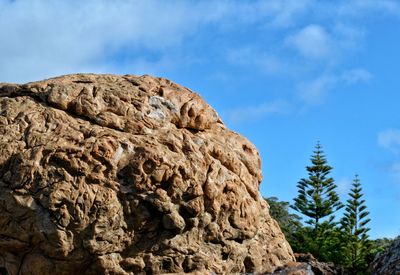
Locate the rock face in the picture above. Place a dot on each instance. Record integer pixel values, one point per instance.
(306, 264)
(388, 261)
(103, 174)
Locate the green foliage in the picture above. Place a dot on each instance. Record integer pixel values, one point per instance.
(379, 245)
(318, 200)
(326, 247)
(382, 243)
(355, 231)
(289, 223)
(345, 244)
(301, 238)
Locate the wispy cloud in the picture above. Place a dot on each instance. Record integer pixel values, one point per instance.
(268, 13)
(343, 186)
(316, 91)
(253, 113)
(256, 59)
(310, 93)
(45, 38)
(312, 42)
(356, 75)
(287, 11)
(329, 42)
(390, 139)
(363, 7)
(51, 37)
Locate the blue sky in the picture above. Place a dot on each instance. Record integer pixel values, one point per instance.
(283, 73)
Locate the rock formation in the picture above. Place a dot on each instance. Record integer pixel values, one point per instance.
(104, 174)
(306, 264)
(387, 262)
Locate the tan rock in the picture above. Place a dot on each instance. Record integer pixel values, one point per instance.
(104, 174)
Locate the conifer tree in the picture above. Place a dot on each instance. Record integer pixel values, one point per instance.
(354, 224)
(317, 198)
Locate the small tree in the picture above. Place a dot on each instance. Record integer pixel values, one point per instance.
(318, 200)
(354, 225)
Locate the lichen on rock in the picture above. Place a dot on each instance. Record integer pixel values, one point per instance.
(104, 174)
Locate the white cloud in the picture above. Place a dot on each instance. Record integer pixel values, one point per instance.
(390, 139)
(343, 186)
(348, 37)
(312, 42)
(316, 91)
(356, 75)
(43, 38)
(287, 11)
(257, 59)
(251, 113)
(364, 7)
(271, 13)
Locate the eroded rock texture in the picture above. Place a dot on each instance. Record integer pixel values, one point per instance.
(103, 174)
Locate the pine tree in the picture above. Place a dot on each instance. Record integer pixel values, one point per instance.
(317, 198)
(354, 225)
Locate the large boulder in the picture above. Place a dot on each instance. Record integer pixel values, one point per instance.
(104, 174)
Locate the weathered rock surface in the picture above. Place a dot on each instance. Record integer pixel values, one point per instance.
(294, 268)
(103, 174)
(388, 261)
(306, 264)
